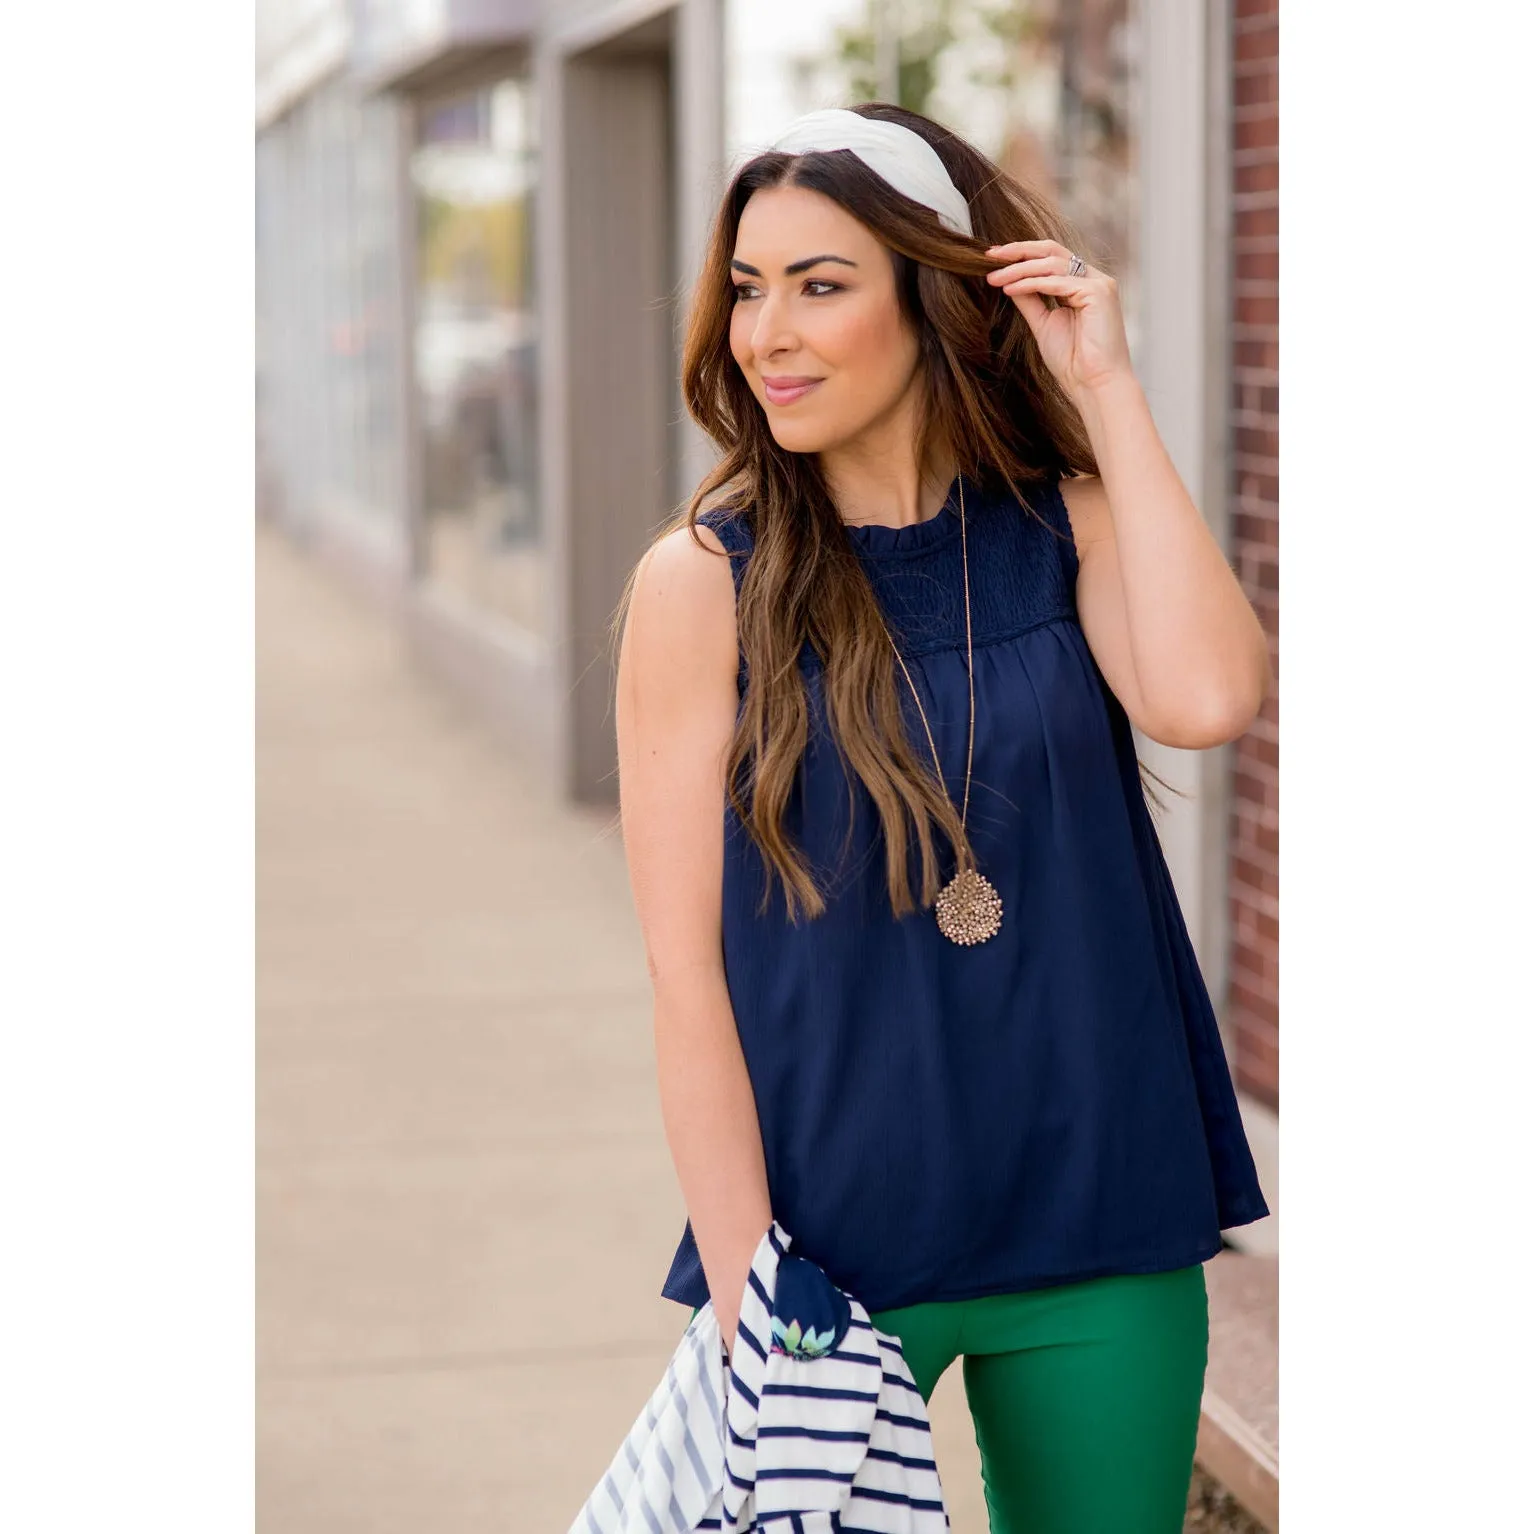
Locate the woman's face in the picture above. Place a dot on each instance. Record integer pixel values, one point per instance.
(834, 319)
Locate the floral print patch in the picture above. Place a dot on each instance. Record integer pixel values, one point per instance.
(810, 1315)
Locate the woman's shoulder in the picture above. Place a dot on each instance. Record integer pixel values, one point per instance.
(683, 565)
(680, 623)
(727, 523)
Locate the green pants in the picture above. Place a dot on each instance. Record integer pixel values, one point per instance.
(1085, 1396)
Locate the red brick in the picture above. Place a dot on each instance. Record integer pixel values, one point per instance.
(1257, 1074)
(1255, 87)
(1244, 332)
(1253, 244)
(1248, 786)
(1250, 816)
(1256, 1055)
(1263, 750)
(1256, 308)
(1258, 131)
(1255, 354)
(1257, 442)
(1256, 1068)
(1260, 743)
(1256, 1048)
(1251, 782)
(1258, 843)
(1254, 798)
(1259, 1005)
(1252, 1001)
(1256, 1042)
(1257, 39)
(1268, 948)
(1263, 880)
(1263, 1089)
(1247, 847)
(1257, 750)
(1258, 531)
(1249, 384)
(1257, 265)
(1255, 1019)
(1257, 223)
(1255, 970)
(1255, 372)
(1263, 734)
(1258, 176)
(1259, 490)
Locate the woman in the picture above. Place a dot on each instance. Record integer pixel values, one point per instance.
(922, 988)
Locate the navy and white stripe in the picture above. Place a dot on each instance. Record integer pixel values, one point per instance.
(668, 1471)
(768, 1441)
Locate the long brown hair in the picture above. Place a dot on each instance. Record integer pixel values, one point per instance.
(987, 400)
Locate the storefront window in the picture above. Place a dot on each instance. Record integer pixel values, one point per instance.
(373, 336)
(327, 301)
(1044, 87)
(474, 172)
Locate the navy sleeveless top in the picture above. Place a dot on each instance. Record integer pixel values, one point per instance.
(942, 1122)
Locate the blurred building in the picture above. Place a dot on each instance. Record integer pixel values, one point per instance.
(1252, 1004)
(476, 223)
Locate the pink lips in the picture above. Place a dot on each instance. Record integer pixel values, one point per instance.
(785, 391)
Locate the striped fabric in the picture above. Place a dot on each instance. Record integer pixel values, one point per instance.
(836, 1444)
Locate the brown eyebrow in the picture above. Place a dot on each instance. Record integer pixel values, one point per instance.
(795, 268)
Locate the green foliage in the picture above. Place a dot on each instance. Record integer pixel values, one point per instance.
(926, 30)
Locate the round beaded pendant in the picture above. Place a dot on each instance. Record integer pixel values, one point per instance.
(968, 908)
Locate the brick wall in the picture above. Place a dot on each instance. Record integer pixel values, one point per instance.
(1253, 998)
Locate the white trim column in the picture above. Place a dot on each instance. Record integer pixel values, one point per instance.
(701, 167)
(1181, 360)
(694, 171)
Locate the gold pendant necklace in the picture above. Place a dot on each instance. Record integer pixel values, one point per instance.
(968, 908)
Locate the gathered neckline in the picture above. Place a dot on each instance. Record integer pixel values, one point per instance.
(882, 538)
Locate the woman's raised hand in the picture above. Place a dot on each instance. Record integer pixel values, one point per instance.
(1083, 340)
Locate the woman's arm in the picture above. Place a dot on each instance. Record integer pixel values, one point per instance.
(676, 705)
(1166, 618)
(1168, 624)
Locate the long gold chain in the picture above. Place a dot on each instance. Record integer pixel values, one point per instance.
(965, 859)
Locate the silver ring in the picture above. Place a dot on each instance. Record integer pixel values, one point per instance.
(1078, 266)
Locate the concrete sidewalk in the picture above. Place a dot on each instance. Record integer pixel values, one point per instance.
(465, 1202)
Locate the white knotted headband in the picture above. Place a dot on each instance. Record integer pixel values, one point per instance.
(901, 156)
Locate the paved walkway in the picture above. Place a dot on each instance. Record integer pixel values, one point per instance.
(465, 1201)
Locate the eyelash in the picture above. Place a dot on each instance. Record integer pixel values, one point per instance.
(815, 282)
